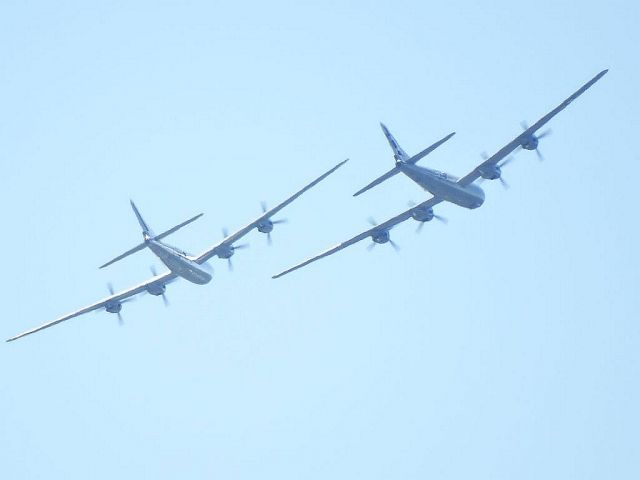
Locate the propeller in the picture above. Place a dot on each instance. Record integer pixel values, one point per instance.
(373, 223)
(111, 292)
(395, 246)
(165, 300)
(506, 161)
(225, 234)
(440, 218)
(546, 133)
(263, 205)
(538, 137)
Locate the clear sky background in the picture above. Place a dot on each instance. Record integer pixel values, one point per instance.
(502, 345)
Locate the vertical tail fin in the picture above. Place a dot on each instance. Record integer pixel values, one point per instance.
(398, 153)
(146, 231)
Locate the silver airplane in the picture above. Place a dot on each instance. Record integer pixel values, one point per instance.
(445, 187)
(181, 265)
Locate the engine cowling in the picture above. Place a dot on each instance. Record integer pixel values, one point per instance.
(530, 142)
(113, 307)
(381, 236)
(422, 214)
(226, 251)
(265, 226)
(490, 172)
(157, 289)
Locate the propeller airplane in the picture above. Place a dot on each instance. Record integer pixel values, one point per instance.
(443, 186)
(180, 264)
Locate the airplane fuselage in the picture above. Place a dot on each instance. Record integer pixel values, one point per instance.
(443, 185)
(179, 263)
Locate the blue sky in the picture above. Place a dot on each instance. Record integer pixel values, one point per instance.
(502, 345)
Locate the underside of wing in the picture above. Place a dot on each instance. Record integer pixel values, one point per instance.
(262, 221)
(111, 301)
(526, 139)
(380, 232)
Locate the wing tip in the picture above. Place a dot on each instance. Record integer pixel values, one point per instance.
(341, 163)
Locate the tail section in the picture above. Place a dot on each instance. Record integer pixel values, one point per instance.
(401, 158)
(148, 234)
(398, 153)
(430, 149)
(146, 231)
(379, 180)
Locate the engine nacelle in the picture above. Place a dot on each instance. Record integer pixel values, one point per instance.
(113, 307)
(490, 172)
(422, 214)
(529, 143)
(381, 236)
(156, 289)
(226, 251)
(265, 226)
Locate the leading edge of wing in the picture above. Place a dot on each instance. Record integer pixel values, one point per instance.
(388, 225)
(515, 143)
(234, 237)
(164, 278)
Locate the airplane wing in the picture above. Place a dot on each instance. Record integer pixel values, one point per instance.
(516, 142)
(234, 237)
(112, 299)
(386, 226)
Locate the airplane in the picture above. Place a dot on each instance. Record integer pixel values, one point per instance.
(181, 265)
(450, 188)
(445, 187)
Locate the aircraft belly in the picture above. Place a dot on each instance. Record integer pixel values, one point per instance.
(451, 192)
(182, 267)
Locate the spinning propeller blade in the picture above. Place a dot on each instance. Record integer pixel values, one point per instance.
(165, 300)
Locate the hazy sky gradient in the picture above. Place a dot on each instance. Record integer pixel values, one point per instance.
(502, 345)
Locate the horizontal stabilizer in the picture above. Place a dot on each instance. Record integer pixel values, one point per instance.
(160, 236)
(430, 149)
(177, 227)
(378, 180)
(135, 249)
